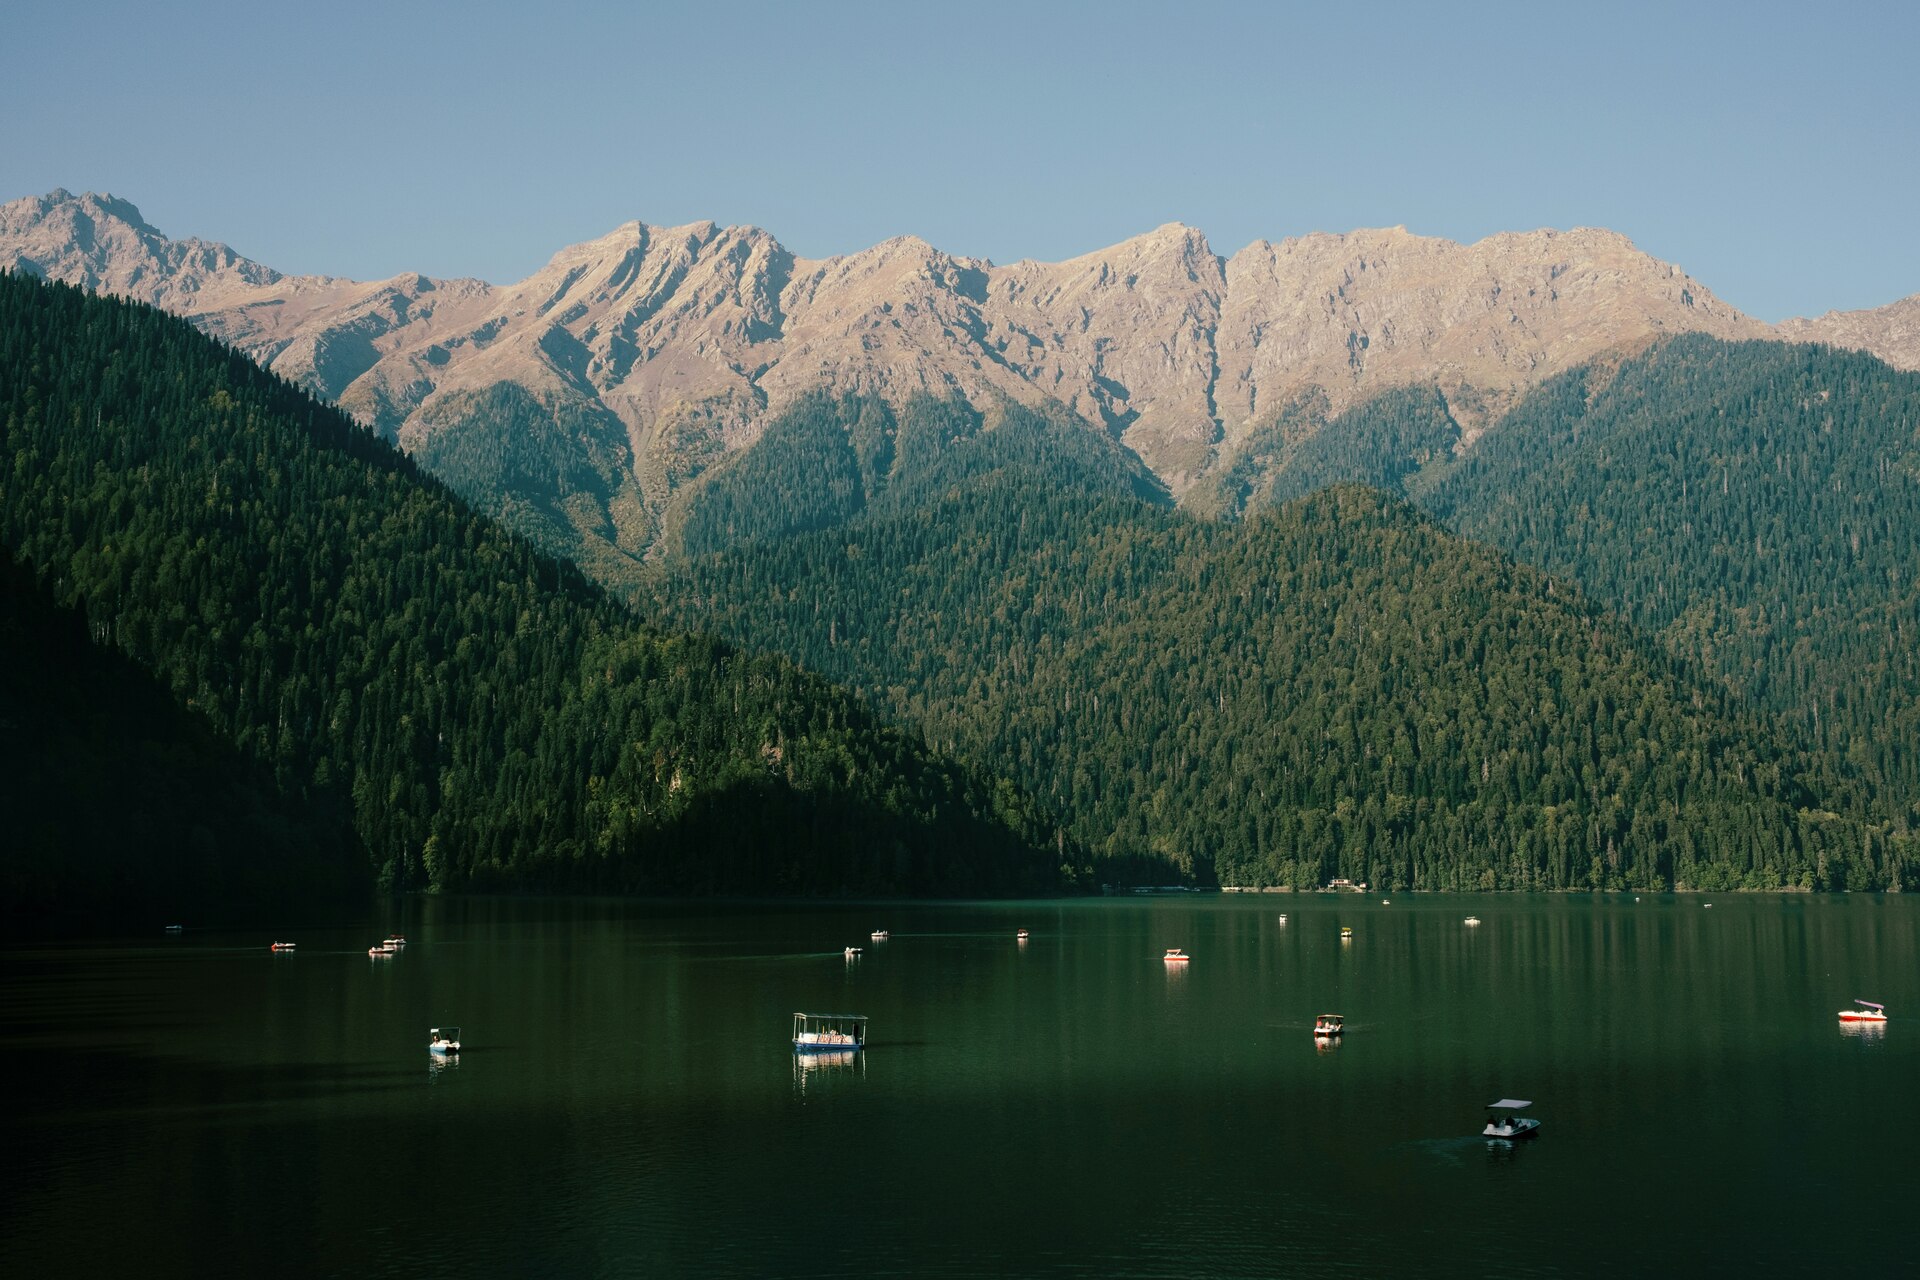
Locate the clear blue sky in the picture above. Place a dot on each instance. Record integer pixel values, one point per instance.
(1773, 150)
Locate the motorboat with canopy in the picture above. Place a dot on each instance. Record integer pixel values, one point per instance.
(1867, 1012)
(1505, 1121)
(1329, 1024)
(443, 1040)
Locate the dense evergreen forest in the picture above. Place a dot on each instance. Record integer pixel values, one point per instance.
(1756, 506)
(827, 460)
(553, 470)
(1388, 442)
(121, 805)
(489, 717)
(1338, 687)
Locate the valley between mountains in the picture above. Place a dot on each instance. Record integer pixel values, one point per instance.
(1523, 564)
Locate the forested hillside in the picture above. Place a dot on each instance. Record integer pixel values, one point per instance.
(830, 459)
(1338, 688)
(491, 717)
(1385, 442)
(553, 470)
(1756, 506)
(124, 808)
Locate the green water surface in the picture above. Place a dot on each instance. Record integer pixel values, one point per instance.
(627, 1101)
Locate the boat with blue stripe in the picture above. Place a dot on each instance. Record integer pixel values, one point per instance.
(829, 1032)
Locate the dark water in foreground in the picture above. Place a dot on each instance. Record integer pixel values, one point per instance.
(628, 1104)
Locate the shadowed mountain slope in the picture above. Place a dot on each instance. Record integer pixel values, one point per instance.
(491, 717)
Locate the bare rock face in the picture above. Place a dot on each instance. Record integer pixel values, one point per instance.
(1357, 313)
(103, 244)
(692, 337)
(1891, 332)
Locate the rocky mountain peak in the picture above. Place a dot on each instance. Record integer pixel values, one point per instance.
(690, 337)
(102, 242)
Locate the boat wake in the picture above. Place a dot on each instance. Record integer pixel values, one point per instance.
(1452, 1151)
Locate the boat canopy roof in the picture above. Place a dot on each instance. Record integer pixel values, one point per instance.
(1508, 1104)
(450, 1032)
(1868, 1003)
(834, 1017)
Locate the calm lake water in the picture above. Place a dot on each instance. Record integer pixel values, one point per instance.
(627, 1102)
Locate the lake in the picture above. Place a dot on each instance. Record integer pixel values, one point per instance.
(627, 1101)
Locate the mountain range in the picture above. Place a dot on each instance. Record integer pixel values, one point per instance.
(1625, 602)
(652, 354)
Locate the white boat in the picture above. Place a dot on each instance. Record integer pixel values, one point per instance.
(880, 935)
(1345, 933)
(1283, 917)
(443, 1040)
(385, 950)
(852, 952)
(1867, 1012)
(1473, 920)
(829, 1032)
(1023, 935)
(1176, 956)
(1505, 1121)
(395, 941)
(283, 946)
(1329, 1024)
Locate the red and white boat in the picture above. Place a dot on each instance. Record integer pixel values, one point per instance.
(1867, 1012)
(1176, 956)
(1329, 1024)
(284, 946)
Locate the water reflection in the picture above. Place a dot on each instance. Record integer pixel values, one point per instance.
(440, 1064)
(828, 1065)
(1872, 1033)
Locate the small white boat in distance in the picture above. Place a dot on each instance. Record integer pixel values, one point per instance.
(1867, 1012)
(383, 949)
(1504, 1120)
(852, 952)
(1176, 956)
(1023, 935)
(443, 1040)
(283, 946)
(881, 935)
(829, 1032)
(1329, 1024)
(395, 941)
(1473, 920)
(1283, 917)
(1345, 933)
